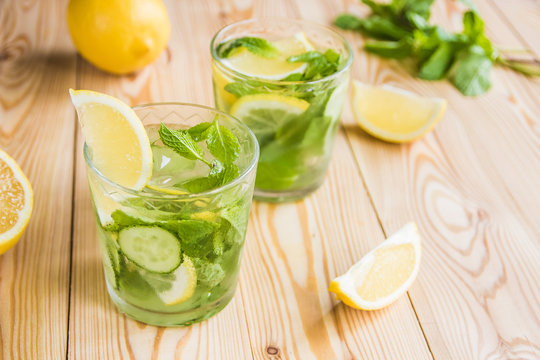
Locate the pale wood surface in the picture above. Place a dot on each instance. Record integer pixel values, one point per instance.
(471, 185)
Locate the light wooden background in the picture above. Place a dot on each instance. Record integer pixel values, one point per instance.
(472, 186)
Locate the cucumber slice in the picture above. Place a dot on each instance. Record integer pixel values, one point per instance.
(151, 247)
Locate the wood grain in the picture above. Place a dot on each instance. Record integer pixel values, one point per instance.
(297, 250)
(470, 187)
(36, 128)
(521, 18)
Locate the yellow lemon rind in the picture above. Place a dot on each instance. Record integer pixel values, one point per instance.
(391, 137)
(343, 286)
(83, 97)
(189, 289)
(12, 236)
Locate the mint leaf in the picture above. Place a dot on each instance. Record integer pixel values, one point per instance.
(381, 28)
(123, 219)
(223, 174)
(196, 237)
(198, 132)
(348, 22)
(222, 143)
(439, 62)
(386, 10)
(390, 49)
(470, 73)
(420, 7)
(319, 65)
(182, 143)
(473, 28)
(208, 273)
(197, 185)
(255, 45)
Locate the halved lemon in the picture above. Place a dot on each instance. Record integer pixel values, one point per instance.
(183, 286)
(393, 114)
(16, 202)
(265, 113)
(248, 63)
(118, 143)
(382, 275)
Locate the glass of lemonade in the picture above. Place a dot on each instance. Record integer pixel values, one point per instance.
(287, 80)
(171, 253)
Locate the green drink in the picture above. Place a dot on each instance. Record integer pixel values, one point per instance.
(171, 251)
(287, 80)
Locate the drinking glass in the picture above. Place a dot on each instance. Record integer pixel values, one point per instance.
(172, 257)
(295, 122)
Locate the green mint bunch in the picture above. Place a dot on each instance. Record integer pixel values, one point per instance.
(220, 141)
(402, 30)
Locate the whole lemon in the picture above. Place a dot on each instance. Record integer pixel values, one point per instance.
(119, 36)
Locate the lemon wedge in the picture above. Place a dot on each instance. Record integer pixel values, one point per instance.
(119, 144)
(382, 275)
(393, 114)
(265, 113)
(183, 287)
(16, 202)
(248, 63)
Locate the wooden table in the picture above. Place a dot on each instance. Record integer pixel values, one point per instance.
(472, 186)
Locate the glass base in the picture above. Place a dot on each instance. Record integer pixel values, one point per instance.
(283, 196)
(184, 318)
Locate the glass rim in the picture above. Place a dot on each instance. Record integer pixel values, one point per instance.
(328, 29)
(139, 193)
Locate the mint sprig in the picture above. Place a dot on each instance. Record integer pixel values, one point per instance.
(319, 65)
(222, 144)
(402, 30)
(182, 143)
(255, 45)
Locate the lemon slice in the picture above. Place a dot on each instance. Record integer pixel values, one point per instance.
(16, 202)
(265, 113)
(393, 114)
(248, 63)
(183, 286)
(116, 137)
(383, 274)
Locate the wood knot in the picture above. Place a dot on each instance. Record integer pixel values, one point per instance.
(272, 350)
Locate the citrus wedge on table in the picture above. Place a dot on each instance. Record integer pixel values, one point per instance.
(382, 275)
(16, 202)
(393, 114)
(265, 113)
(277, 68)
(116, 137)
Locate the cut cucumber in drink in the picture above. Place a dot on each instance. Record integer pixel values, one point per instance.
(151, 248)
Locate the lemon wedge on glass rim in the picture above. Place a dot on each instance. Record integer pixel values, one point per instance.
(392, 114)
(16, 202)
(116, 137)
(250, 64)
(383, 274)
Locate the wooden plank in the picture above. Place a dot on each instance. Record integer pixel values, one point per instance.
(523, 19)
(36, 128)
(296, 249)
(471, 187)
(97, 329)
